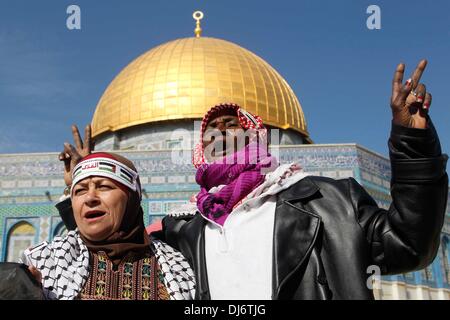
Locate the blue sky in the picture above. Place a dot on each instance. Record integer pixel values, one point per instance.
(341, 71)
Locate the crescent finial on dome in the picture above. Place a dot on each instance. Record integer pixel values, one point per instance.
(198, 15)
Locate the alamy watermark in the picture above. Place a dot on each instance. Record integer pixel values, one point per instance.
(223, 147)
(374, 280)
(73, 21)
(374, 20)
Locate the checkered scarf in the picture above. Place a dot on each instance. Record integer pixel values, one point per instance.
(64, 265)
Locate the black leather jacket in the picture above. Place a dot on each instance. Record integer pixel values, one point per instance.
(328, 232)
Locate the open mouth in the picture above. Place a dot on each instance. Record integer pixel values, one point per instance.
(95, 214)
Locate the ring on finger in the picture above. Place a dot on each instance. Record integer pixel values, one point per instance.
(420, 98)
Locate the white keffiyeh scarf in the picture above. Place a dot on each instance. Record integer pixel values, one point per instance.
(64, 265)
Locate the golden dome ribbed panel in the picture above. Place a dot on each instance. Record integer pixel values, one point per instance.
(184, 78)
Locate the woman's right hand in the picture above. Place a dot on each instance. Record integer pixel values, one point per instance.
(72, 155)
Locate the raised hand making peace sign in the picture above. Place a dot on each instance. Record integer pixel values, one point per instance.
(410, 102)
(72, 155)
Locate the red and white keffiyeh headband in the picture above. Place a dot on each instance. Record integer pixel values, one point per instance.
(246, 120)
(104, 165)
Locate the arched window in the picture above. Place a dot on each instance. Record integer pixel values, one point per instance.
(20, 237)
(60, 230)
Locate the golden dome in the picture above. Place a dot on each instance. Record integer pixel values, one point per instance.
(184, 78)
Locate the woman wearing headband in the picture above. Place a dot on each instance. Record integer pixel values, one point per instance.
(109, 255)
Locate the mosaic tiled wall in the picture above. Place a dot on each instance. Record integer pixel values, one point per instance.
(30, 184)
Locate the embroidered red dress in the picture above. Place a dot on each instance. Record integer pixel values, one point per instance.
(132, 279)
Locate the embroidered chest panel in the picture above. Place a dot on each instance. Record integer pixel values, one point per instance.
(138, 280)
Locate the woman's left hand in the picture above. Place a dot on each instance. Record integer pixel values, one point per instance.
(410, 101)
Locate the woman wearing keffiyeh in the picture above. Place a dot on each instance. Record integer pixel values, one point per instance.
(109, 256)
